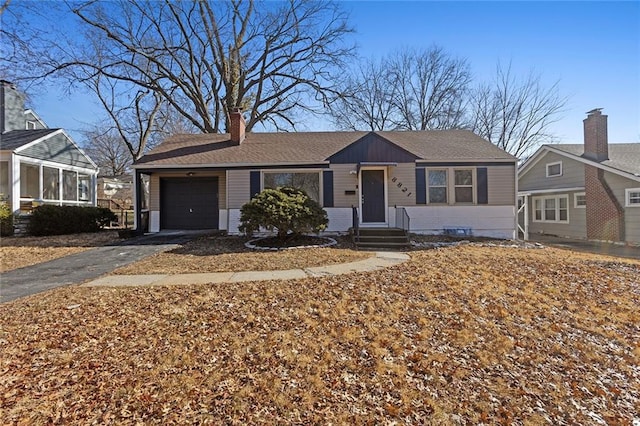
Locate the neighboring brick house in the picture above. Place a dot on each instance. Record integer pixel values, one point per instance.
(589, 191)
(438, 180)
(39, 165)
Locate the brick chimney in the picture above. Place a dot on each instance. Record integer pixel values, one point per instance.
(237, 126)
(604, 213)
(596, 146)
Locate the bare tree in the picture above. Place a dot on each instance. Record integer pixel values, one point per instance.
(411, 90)
(206, 58)
(107, 150)
(515, 114)
(366, 99)
(432, 88)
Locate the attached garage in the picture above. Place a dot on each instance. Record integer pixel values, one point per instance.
(189, 203)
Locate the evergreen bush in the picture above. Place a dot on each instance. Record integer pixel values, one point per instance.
(57, 220)
(6, 219)
(283, 210)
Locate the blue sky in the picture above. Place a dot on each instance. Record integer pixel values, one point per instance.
(591, 48)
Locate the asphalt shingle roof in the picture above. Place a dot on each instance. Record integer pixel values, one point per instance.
(313, 147)
(622, 156)
(16, 138)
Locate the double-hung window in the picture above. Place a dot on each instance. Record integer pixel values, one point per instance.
(580, 200)
(437, 182)
(632, 197)
(551, 209)
(463, 185)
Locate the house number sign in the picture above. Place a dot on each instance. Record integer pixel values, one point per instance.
(401, 186)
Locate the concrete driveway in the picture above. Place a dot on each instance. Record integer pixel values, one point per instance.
(609, 249)
(87, 265)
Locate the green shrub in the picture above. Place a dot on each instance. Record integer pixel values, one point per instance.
(284, 210)
(6, 219)
(57, 220)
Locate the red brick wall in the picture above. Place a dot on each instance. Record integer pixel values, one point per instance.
(237, 130)
(596, 146)
(605, 215)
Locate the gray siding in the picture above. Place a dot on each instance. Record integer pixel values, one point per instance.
(536, 178)
(632, 224)
(343, 181)
(575, 228)
(501, 181)
(404, 175)
(238, 187)
(632, 214)
(59, 149)
(29, 116)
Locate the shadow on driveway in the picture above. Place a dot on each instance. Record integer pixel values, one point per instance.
(88, 265)
(597, 247)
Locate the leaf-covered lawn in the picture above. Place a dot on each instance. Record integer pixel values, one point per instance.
(461, 335)
(228, 254)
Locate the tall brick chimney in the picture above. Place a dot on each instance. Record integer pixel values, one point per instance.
(604, 213)
(237, 126)
(596, 145)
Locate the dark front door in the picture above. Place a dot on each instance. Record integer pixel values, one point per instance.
(373, 208)
(189, 203)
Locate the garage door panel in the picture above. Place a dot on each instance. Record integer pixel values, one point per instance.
(189, 203)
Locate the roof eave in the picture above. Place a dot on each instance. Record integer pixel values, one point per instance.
(227, 165)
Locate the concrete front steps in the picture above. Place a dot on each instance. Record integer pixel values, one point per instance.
(382, 238)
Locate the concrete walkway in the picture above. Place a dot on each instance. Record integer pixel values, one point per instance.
(86, 265)
(597, 247)
(381, 260)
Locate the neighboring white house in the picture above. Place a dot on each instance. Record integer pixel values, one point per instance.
(441, 180)
(39, 165)
(589, 191)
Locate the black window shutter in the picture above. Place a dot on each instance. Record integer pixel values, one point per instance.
(254, 183)
(421, 186)
(327, 188)
(482, 187)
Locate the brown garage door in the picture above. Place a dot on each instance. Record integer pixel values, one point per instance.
(189, 203)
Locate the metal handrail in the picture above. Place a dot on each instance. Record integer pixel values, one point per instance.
(403, 220)
(355, 220)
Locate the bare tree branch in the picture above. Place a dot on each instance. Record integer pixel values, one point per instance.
(266, 58)
(411, 90)
(515, 115)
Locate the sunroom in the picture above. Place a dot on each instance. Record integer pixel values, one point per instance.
(45, 169)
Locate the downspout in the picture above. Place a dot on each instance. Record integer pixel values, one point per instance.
(137, 191)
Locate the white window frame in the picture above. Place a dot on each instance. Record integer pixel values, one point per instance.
(575, 200)
(557, 209)
(453, 186)
(548, 165)
(60, 198)
(446, 186)
(627, 197)
(30, 125)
